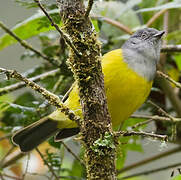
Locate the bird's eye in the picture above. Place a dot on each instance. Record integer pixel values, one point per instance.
(144, 36)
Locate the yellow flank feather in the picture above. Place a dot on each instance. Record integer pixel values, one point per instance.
(125, 90)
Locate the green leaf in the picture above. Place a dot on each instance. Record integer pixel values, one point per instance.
(177, 177)
(177, 58)
(95, 24)
(77, 169)
(32, 26)
(170, 5)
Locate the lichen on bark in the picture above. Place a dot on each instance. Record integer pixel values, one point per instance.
(96, 129)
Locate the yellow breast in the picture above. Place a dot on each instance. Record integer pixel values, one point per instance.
(125, 90)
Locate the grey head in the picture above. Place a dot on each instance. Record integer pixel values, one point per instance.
(142, 51)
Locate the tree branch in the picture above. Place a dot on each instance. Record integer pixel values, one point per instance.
(173, 97)
(5, 156)
(73, 154)
(89, 7)
(155, 17)
(114, 23)
(47, 164)
(65, 37)
(171, 48)
(13, 159)
(177, 84)
(28, 46)
(151, 171)
(155, 117)
(100, 163)
(162, 111)
(19, 85)
(52, 98)
(150, 159)
(140, 133)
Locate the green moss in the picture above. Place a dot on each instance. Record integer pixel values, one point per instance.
(103, 142)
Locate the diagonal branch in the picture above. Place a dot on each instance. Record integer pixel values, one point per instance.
(151, 171)
(28, 46)
(49, 166)
(18, 155)
(177, 84)
(162, 111)
(114, 23)
(150, 159)
(73, 154)
(52, 98)
(66, 38)
(155, 17)
(89, 7)
(19, 85)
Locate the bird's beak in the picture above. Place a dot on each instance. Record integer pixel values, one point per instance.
(159, 34)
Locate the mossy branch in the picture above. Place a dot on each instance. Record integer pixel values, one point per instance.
(89, 77)
(52, 98)
(89, 7)
(65, 37)
(19, 85)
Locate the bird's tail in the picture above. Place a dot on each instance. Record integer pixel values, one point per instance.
(33, 135)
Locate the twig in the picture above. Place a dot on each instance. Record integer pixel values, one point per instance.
(68, 92)
(89, 7)
(174, 128)
(27, 164)
(142, 123)
(171, 48)
(177, 84)
(140, 133)
(162, 111)
(12, 160)
(1, 176)
(57, 84)
(155, 117)
(28, 46)
(73, 154)
(52, 98)
(9, 177)
(37, 174)
(165, 25)
(19, 85)
(66, 38)
(49, 167)
(151, 171)
(114, 23)
(2, 160)
(150, 159)
(155, 17)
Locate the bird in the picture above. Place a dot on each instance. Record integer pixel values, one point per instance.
(128, 77)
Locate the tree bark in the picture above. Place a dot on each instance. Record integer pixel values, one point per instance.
(96, 129)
